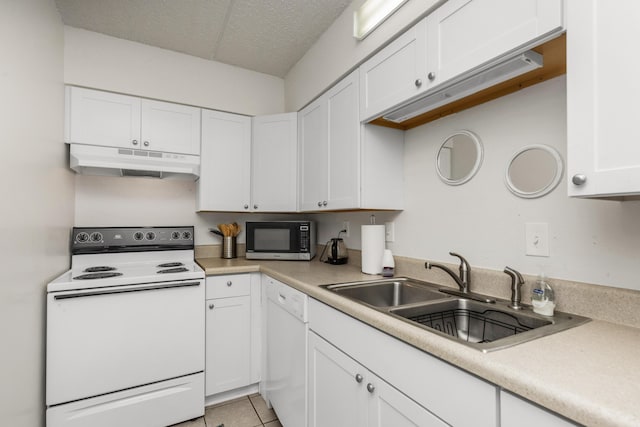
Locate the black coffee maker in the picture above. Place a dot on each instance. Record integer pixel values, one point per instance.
(335, 252)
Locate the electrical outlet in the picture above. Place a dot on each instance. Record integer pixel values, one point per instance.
(345, 226)
(389, 231)
(537, 238)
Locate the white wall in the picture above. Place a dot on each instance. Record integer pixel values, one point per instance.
(592, 241)
(103, 62)
(336, 52)
(115, 201)
(37, 192)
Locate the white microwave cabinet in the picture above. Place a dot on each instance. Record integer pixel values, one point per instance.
(109, 119)
(248, 164)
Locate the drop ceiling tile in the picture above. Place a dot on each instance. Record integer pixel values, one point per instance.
(187, 26)
(272, 35)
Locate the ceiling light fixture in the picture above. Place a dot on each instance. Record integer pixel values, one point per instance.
(371, 14)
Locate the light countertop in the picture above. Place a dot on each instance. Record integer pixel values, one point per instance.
(590, 374)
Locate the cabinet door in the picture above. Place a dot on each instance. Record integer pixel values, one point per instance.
(603, 152)
(517, 412)
(224, 183)
(274, 163)
(337, 393)
(103, 118)
(389, 407)
(312, 140)
(466, 34)
(344, 144)
(171, 128)
(228, 344)
(395, 74)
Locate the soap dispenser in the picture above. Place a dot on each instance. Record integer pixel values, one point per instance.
(542, 298)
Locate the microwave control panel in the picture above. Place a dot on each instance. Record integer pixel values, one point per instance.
(304, 238)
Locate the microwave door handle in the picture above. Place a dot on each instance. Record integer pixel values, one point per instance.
(123, 291)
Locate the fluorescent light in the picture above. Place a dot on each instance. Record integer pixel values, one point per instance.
(491, 76)
(371, 14)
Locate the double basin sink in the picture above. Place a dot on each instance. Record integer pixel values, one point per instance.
(485, 324)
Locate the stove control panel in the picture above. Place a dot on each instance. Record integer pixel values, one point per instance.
(130, 239)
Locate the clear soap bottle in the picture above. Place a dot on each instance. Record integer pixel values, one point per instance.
(543, 298)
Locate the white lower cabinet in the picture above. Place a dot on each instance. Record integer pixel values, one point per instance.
(232, 340)
(517, 412)
(409, 387)
(342, 392)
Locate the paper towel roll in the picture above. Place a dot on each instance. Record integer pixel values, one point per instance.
(372, 248)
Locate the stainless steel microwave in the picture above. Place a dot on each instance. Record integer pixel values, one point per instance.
(285, 240)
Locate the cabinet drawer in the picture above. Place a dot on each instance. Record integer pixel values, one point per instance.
(228, 286)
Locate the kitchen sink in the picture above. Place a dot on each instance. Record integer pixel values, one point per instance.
(388, 293)
(485, 326)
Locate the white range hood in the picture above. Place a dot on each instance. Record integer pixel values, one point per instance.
(114, 161)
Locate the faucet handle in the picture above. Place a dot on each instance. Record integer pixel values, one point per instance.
(516, 282)
(464, 269)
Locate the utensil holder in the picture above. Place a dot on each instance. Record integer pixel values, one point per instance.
(229, 247)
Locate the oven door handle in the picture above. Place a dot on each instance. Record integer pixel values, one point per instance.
(111, 291)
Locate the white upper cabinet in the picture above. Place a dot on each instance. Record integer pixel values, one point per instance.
(312, 140)
(343, 179)
(274, 163)
(466, 34)
(109, 119)
(248, 171)
(343, 164)
(457, 38)
(396, 73)
(603, 148)
(225, 183)
(170, 127)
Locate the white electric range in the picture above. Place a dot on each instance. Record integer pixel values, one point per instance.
(125, 330)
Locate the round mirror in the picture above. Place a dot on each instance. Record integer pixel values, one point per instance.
(533, 171)
(459, 158)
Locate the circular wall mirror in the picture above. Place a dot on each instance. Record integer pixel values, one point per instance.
(533, 171)
(459, 157)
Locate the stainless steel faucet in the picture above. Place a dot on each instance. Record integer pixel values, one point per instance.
(463, 280)
(516, 283)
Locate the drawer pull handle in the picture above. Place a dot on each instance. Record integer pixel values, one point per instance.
(229, 283)
(359, 378)
(211, 306)
(370, 388)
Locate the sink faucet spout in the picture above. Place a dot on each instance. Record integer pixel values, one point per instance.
(463, 280)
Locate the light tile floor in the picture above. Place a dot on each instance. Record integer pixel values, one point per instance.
(248, 411)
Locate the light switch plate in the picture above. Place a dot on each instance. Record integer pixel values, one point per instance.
(537, 238)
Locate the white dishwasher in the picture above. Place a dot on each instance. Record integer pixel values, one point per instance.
(286, 378)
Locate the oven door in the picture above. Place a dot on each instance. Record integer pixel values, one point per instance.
(109, 339)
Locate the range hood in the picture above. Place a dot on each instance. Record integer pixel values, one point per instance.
(114, 161)
(466, 86)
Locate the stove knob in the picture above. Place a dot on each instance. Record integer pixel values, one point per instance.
(175, 235)
(138, 235)
(96, 237)
(151, 235)
(186, 235)
(82, 237)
